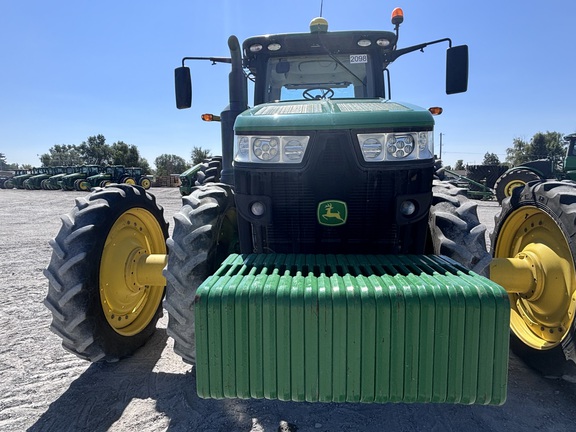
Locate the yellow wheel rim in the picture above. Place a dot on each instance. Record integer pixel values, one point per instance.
(128, 304)
(513, 185)
(130, 181)
(145, 183)
(540, 317)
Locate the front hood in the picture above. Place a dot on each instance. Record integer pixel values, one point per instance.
(332, 114)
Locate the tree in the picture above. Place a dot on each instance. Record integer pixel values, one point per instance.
(518, 153)
(143, 163)
(199, 154)
(95, 150)
(3, 163)
(547, 145)
(491, 159)
(169, 164)
(555, 148)
(61, 155)
(124, 154)
(459, 166)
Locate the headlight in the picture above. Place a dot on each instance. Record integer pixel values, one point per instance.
(270, 149)
(396, 146)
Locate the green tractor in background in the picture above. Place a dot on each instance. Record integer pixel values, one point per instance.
(108, 175)
(38, 180)
(283, 281)
(73, 180)
(53, 182)
(539, 170)
(4, 176)
(139, 177)
(20, 176)
(116, 174)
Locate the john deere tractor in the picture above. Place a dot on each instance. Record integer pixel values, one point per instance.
(73, 180)
(327, 264)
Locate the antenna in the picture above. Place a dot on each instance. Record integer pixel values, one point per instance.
(321, 5)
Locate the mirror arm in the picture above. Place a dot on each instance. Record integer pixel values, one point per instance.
(391, 56)
(214, 60)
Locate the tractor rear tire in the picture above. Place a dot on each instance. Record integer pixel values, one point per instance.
(145, 182)
(205, 233)
(101, 313)
(455, 230)
(512, 179)
(539, 221)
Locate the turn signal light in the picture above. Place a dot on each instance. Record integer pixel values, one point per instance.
(435, 110)
(210, 117)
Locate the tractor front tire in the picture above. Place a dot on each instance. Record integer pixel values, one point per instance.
(538, 223)
(512, 179)
(99, 310)
(455, 230)
(204, 235)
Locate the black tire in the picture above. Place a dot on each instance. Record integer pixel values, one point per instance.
(539, 214)
(210, 171)
(205, 233)
(511, 179)
(455, 230)
(77, 184)
(75, 295)
(9, 184)
(447, 188)
(145, 182)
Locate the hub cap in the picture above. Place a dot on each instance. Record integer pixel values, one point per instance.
(542, 316)
(128, 305)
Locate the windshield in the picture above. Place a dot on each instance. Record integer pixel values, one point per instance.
(319, 77)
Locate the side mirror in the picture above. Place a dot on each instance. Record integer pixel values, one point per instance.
(457, 69)
(183, 87)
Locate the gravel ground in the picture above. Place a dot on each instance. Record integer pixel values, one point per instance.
(44, 388)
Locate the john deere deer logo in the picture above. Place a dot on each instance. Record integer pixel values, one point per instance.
(332, 213)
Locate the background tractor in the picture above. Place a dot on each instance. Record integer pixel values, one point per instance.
(42, 174)
(139, 177)
(72, 181)
(108, 175)
(53, 182)
(116, 174)
(538, 170)
(5, 175)
(20, 176)
(284, 282)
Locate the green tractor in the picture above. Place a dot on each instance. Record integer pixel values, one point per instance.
(73, 180)
(38, 180)
(538, 170)
(283, 281)
(53, 182)
(4, 176)
(17, 182)
(139, 177)
(108, 175)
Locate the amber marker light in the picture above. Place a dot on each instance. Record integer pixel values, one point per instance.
(397, 16)
(435, 110)
(210, 117)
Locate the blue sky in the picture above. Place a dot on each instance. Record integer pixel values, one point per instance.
(72, 69)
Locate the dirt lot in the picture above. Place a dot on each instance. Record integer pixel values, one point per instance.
(44, 388)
